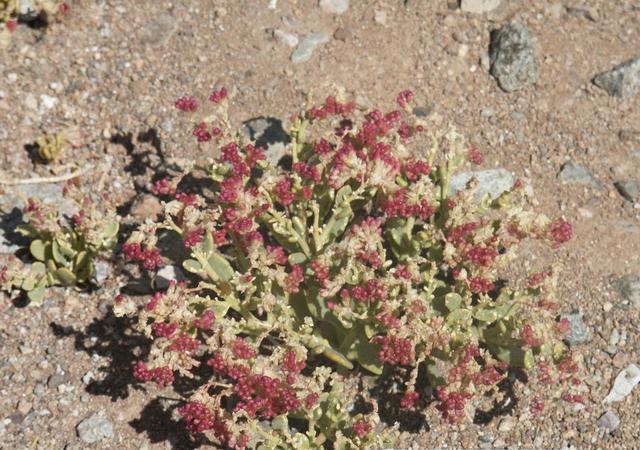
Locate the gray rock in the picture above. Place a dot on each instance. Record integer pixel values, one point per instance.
(609, 421)
(629, 189)
(305, 48)
(622, 81)
(572, 173)
(512, 56)
(334, 6)
(578, 331)
(166, 275)
(58, 378)
(268, 133)
(94, 429)
(50, 193)
(479, 6)
(629, 288)
(583, 13)
(102, 271)
(158, 31)
(286, 38)
(493, 182)
(624, 383)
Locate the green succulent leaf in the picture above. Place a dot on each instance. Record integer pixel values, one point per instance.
(36, 294)
(38, 249)
(193, 266)
(65, 276)
(452, 301)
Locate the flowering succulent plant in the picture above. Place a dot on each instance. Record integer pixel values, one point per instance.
(64, 249)
(11, 10)
(355, 254)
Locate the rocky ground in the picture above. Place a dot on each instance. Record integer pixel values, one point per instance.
(530, 96)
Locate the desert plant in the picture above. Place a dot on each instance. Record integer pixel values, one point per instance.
(357, 250)
(64, 249)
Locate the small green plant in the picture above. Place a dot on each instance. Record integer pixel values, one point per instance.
(51, 146)
(64, 249)
(355, 257)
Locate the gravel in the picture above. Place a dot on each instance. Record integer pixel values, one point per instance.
(609, 421)
(629, 288)
(578, 332)
(622, 81)
(629, 189)
(479, 6)
(493, 182)
(95, 429)
(306, 47)
(512, 57)
(573, 173)
(334, 6)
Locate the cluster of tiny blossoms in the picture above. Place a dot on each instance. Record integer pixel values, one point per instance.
(358, 252)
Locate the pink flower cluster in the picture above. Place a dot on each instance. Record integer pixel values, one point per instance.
(149, 257)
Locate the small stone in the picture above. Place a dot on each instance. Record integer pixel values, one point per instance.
(25, 350)
(506, 425)
(380, 17)
(30, 102)
(493, 182)
(334, 6)
(572, 173)
(609, 421)
(422, 111)
(578, 332)
(286, 38)
(158, 30)
(56, 86)
(24, 407)
(102, 271)
(512, 54)
(94, 429)
(47, 101)
(499, 443)
(624, 383)
(583, 13)
(622, 81)
(88, 378)
(479, 6)
(343, 33)
(629, 135)
(166, 275)
(144, 207)
(629, 189)
(629, 288)
(268, 133)
(58, 377)
(305, 48)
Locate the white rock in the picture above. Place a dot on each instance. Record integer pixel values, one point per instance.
(305, 48)
(479, 6)
(624, 384)
(166, 275)
(334, 6)
(288, 39)
(47, 101)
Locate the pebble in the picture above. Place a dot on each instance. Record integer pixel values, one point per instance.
(629, 288)
(380, 17)
(47, 101)
(24, 407)
(30, 102)
(479, 6)
(286, 38)
(493, 182)
(268, 133)
(624, 383)
(145, 206)
(343, 33)
(583, 13)
(166, 275)
(609, 421)
(94, 429)
(334, 6)
(305, 48)
(506, 425)
(573, 173)
(629, 189)
(88, 377)
(58, 377)
(622, 81)
(102, 271)
(512, 56)
(578, 332)
(158, 30)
